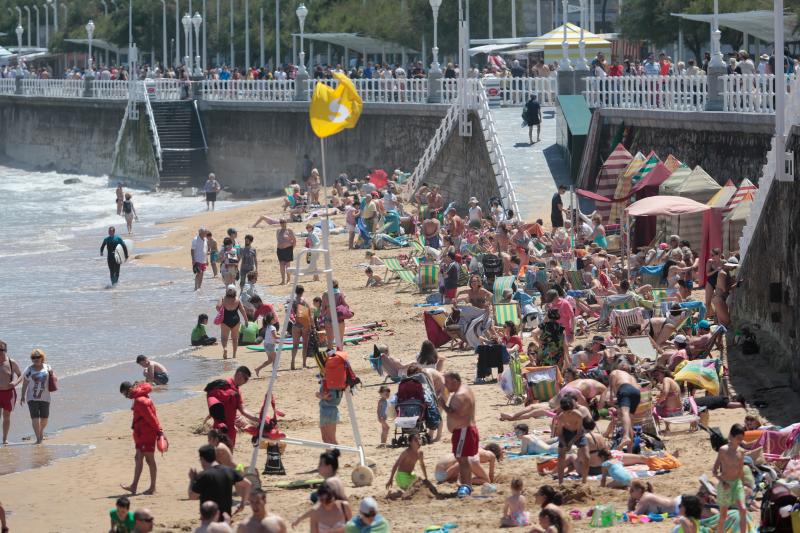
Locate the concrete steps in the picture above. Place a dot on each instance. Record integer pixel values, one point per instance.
(183, 159)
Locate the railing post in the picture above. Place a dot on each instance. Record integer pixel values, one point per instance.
(197, 89)
(18, 82)
(88, 86)
(715, 80)
(301, 86)
(435, 86)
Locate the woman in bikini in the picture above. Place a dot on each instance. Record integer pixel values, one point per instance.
(726, 281)
(329, 515)
(713, 268)
(475, 295)
(231, 308)
(669, 398)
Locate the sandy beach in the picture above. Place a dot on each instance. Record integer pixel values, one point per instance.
(75, 495)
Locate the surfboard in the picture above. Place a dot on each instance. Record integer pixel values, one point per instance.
(119, 253)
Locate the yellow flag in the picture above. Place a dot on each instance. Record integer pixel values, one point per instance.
(333, 110)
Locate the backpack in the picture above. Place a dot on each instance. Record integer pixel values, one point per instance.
(339, 375)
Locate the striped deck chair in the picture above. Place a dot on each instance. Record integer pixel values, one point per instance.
(418, 246)
(697, 307)
(688, 419)
(651, 275)
(506, 313)
(428, 277)
(517, 383)
(616, 301)
(622, 319)
(392, 265)
(406, 276)
(544, 382)
(645, 413)
(663, 300)
(575, 279)
(463, 276)
(501, 284)
(535, 277)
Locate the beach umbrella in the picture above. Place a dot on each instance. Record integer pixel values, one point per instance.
(609, 175)
(700, 373)
(624, 187)
(379, 178)
(723, 196)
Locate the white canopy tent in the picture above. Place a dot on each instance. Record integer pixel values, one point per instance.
(759, 24)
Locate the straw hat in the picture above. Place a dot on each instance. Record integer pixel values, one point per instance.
(473, 200)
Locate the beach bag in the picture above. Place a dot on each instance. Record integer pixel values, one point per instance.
(603, 516)
(162, 444)
(220, 315)
(749, 344)
(52, 381)
(343, 312)
(776, 497)
(338, 372)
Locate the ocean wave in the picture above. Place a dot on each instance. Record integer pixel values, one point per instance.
(110, 366)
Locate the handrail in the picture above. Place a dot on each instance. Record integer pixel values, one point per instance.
(434, 146)
(152, 123)
(200, 125)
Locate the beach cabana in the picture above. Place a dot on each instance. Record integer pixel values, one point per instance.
(673, 162)
(734, 222)
(698, 186)
(745, 187)
(722, 196)
(551, 41)
(609, 175)
(646, 187)
(624, 186)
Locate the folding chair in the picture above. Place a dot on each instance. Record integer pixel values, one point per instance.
(392, 265)
(500, 285)
(645, 413)
(616, 302)
(418, 246)
(506, 313)
(622, 319)
(428, 277)
(544, 382)
(689, 419)
(663, 296)
(407, 276)
(575, 279)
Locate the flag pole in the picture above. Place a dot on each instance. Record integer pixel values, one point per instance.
(337, 335)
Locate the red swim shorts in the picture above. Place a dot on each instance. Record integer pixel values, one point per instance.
(8, 398)
(465, 442)
(450, 293)
(145, 443)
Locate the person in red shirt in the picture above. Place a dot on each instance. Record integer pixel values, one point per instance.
(510, 339)
(615, 69)
(664, 65)
(146, 430)
(224, 400)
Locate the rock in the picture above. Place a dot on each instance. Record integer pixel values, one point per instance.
(71, 181)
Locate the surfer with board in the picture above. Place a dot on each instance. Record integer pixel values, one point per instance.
(114, 259)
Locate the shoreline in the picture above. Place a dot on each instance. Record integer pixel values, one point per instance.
(97, 474)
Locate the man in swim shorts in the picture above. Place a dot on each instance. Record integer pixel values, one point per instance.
(8, 387)
(224, 400)
(403, 469)
(570, 432)
(155, 373)
(460, 411)
(627, 393)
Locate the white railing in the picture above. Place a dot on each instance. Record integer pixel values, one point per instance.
(53, 88)
(678, 93)
(751, 93)
(432, 150)
(496, 156)
(164, 88)
(151, 122)
(390, 91)
(249, 90)
(8, 85)
(516, 91)
(450, 91)
(110, 89)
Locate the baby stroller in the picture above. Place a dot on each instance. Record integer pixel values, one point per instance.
(416, 410)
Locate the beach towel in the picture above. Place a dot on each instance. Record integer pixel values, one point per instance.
(434, 331)
(701, 373)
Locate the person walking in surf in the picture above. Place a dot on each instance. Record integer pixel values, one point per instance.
(129, 212)
(110, 243)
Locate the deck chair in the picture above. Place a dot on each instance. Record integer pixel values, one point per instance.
(663, 296)
(535, 280)
(506, 313)
(543, 382)
(501, 284)
(517, 383)
(651, 275)
(428, 277)
(622, 319)
(575, 279)
(645, 413)
(392, 265)
(616, 302)
(688, 419)
(406, 276)
(418, 246)
(716, 339)
(698, 307)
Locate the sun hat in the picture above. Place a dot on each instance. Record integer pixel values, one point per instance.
(765, 57)
(473, 200)
(680, 339)
(704, 324)
(732, 262)
(599, 340)
(231, 287)
(368, 506)
(663, 246)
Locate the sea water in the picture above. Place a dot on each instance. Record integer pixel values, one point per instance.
(55, 296)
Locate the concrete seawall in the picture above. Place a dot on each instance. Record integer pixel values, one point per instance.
(67, 135)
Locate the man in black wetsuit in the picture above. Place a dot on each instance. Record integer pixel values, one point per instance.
(110, 243)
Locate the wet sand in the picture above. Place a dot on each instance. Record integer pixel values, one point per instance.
(76, 494)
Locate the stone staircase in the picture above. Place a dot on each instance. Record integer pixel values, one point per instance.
(183, 145)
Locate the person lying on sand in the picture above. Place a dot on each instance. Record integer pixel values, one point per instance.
(403, 469)
(533, 445)
(447, 468)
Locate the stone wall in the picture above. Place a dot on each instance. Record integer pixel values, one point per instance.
(260, 147)
(73, 136)
(134, 159)
(727, 145)
(767, 299)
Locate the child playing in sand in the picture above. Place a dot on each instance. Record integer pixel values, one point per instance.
(404, 466)
(383, 406)
(270, 340)
(199, 336)
(690, 513)
(550, 521)
(729, 470)
(620, 478)
(121, 517)
(373, 280)
(213, 251)
(514, 513)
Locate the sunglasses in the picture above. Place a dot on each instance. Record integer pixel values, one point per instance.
(3, 350)
(34, 357)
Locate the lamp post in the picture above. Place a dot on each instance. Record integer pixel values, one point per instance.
(19, 15)
(233, 52)
(261, 37)
(301, 13)
(19, 31)
(514, 19)
(716, 67)
(186, 21)
(582, 64)
(246, 36)
(46, 26)
(89, 35)
(277, 34)
(28, 11)
(55, 13)
(66, 14)
(204, 64)
(197, 21)
(38, 27)
(491, 20)
(164, 56)
(177, 32)
(716, 35)
(435, 5)
(565, 62)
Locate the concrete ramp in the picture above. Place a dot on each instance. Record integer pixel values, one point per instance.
(535, 170)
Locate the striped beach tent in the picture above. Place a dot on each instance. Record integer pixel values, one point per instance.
(723, 196)
(744, 187)
(700, 187)
(609, 175)
(624, 186)
(675, 179)
(733, 224)
(650, 164)
(672, 162)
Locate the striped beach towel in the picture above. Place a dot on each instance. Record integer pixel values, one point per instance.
(506, 313)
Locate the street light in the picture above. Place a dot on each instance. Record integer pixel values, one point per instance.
(19, 49)
(565, 62)
(90, 34)
(38, 28)
(46, 26)
(66, 15)
(301, 13)
(197, 20)
(716, 35)
(177, 32)
(277, 34)
(164, 58)
(582, 65)
(435, 5)
(187, 22)
(54, 3)
(28, 11)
